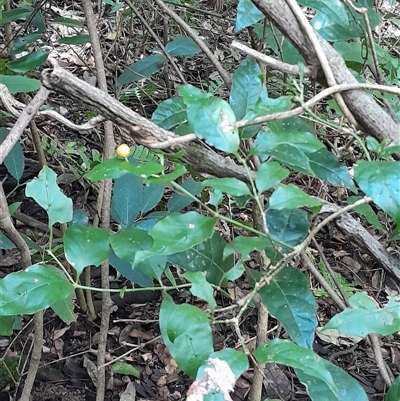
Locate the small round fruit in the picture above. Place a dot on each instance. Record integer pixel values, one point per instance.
(123, 151)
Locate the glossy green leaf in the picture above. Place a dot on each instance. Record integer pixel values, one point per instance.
(186, 332)
(237, 361)
(247, 15)
(201, 288)
(323, 380)
(131, 196)
(291, 197)
(326, 167)
(178, 171)
(16, 84)
(335, 10)
(142, 170)
(143, 68)
(48, 195)
(247, 87)
(291, 157)
(332, 30)
(33, 289)
(107, 169)
(85, 246)
(14, 207)
(65, 309)
(20, 44)
(353, 51)
(393, 393)
(189, 229)
(182, 46)
(126, 243)
(289, 226)
(211, 118)
(180, 200)
(380, 181)
(14, 161)
(231, 186)
(208, 257)
(15, 14)
(124, 267)
(170, 113)
(290, 301)
(270, 139)
(29, 62)
(154, 266)
(270, 174)
(5, 243)
(75, 40)
(124, 368)
(67, 21)
(6, 325)
(365, 317)
(367, 211)
(245, 245)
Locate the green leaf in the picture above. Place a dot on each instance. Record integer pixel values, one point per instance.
(189, 229)
(302, 140)
(75, 40)
(292, 157)
(244, 246)
(124, 368)
(85, 246)
(16, 84)
(364, 317)
(201, 288)
(143, 169)
(15, 14)
(5, 243)
(126, 243)
(67, 21)
(179, 170)
(48, 195)
(33, 289)
(182, 46)
(107, 169)
(270, 174)
(28, 62)
(136, 276)
(131, 196)
(323, 380)
(326, 167)
(289, 226)
(332, 31)
(247, 87)
(335, 10)
(14, 161)
(290, 301)
(170, 113)
(231, 186)
(291, 197)
(237, 361)
(367, 211)
(65, 309)
(6, 324)
(393, 393)
(186, 332)
(380, 181)
(211, 118)
(143, 68)
(180, 200)
(247, 15)
(207, 257)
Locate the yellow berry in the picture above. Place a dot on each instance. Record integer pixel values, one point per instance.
(123, 150)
